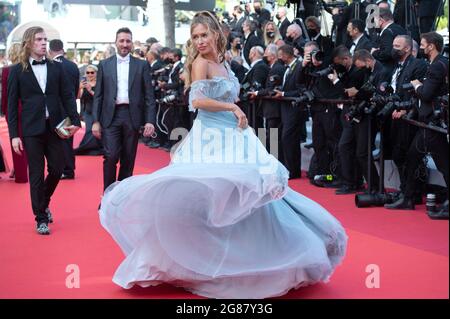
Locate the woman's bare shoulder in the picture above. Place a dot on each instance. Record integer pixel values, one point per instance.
(199, 69)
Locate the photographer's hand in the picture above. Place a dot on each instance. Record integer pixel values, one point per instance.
(416, 84)
(278, 94)
(253, 94)
(351, 92)
(398, 114)
(333, 77)
(306, 60)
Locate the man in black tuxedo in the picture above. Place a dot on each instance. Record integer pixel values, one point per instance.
(250, 40)
(261, 14)
(46, 96)
(270, 108)
(383, 46)
(359, 40)
(427, 11)
(408, 68)
(325, 44)
(434, 85)
(73, 74)
(291, 115)
(256, 75)
(123, 102)
(307, 8)
(283, 21)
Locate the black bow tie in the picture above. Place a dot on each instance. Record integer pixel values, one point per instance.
(43, 61)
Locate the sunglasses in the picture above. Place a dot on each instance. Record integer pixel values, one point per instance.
(90, 72)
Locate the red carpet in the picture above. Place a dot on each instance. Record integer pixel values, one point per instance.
(410, 250)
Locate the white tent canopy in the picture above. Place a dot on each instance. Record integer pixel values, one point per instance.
(17, 33)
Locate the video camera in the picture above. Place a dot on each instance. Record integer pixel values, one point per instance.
(440, 112)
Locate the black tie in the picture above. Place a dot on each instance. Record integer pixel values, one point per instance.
(43, 61)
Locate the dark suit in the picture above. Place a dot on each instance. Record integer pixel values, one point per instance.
(121, 123)
(434, 85)
(257, 74)
(263, 16)
(384, 44)
(291, 120)
(427, 12)
(283, 27)
(363, 43)
(250, 42)
(271, 109)
(73, 75)
(39, 138)
(236, 25)
(402, 133)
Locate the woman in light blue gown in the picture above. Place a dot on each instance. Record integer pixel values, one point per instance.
(220, 220)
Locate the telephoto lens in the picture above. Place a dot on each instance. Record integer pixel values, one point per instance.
(431, 203)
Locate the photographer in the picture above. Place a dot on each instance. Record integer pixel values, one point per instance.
(353, 141)
(326, 125)
(401, 133)
(426, 140)
(271, 108)
(254, 79)
(291, 115)
(383, 46)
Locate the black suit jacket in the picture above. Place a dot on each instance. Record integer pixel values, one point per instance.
(72, 72)
(251, 41)
(140, 91)
(263, 16)
(376, 77)
(258, 73)
(271, 109)
(384, 43)
(236, 25)
(175, 77)
(238, 70)
(58, 98)
(158, 65)
(363, 43)
(283, 27)
(435, 85)
(413, 69)
(294, 83)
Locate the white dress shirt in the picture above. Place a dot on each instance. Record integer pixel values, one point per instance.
(40, 72)
(355, 43)
(123, 70)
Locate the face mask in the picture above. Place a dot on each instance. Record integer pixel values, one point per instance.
(238, 46)
(421, 54)
(289, 39)
(396, 54)
(258, 10)
(266, 60)
(312, 33)
(270, 35)
(277, 16)
(167, 60)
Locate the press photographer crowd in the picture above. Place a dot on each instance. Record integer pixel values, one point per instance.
(374, 86)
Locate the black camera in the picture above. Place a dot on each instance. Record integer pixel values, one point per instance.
(440, 112)
(356, 112)
(171, 96)
(339, 68)
(306, 97)
(247, 88)
(318, 55)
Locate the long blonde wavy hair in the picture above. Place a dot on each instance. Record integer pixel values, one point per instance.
(212, 24)
(14, 53)
(27, 45)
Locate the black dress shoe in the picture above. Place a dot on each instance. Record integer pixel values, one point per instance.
(345, 189)
(68, 176)
(401, 203)
(441, 213)
(49, 215)
(308, 146)
(153, 144)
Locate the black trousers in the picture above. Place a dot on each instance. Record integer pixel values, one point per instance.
(120, 141)
(290, 138)
(274, 149)
(402, 134)
(326, 132)
(47, 146)
(69, 157)
(426, 141)
(353, 153)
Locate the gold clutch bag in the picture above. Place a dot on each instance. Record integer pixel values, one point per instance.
(60, 128)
